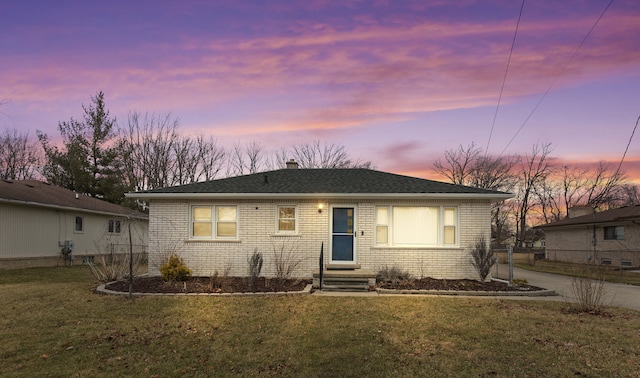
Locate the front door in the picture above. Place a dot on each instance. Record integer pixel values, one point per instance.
(343, 241)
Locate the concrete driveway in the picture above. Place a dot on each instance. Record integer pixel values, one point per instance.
(620, 295)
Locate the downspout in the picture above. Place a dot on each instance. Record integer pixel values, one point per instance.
(595, 246)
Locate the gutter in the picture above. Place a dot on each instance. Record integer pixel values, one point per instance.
(151, 196)
(67, 208)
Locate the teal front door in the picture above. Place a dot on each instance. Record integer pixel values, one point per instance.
(343, 235)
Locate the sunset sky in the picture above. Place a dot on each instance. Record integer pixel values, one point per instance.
(396, 82)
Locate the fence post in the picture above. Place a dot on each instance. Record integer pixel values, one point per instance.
(321, 263)
(510, 253)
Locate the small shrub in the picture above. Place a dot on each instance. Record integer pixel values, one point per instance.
(589, 290)
(175, 269)
(285, 262)
(255, 266)
(392, 275)
(520, 281)
(117, 269)
(482, 258)
(217, 280)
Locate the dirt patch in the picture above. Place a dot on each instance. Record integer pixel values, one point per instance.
(208, 285)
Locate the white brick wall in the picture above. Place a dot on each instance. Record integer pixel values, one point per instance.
(169, 232)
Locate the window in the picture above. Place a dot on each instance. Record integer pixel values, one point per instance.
(114, 226)
(614, 233)
(78, 226)
(287, 219)
(214, 222)
(416, 226)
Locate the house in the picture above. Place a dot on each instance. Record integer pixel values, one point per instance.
(609, 237)
(361, 218)
(46, 225)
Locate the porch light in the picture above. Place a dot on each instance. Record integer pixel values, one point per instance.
(320, 206)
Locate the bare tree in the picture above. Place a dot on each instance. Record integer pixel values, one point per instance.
(20, 156)
(148, 145)
(468, 166)
(246, 159)
(630, 194)
(534, 170)
(324, 155)
(159, 156)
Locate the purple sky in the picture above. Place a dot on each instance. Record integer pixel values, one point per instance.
(396, 82)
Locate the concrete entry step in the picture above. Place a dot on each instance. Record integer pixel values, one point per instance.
(345, 280)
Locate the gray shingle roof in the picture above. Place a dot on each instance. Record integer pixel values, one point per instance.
(609, 216)
(33, 192)
(322, 181)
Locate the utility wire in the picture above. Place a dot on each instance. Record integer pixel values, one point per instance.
(628, 144)
(504, 79)
(557, 77)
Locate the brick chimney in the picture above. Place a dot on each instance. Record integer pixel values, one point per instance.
(291, 164)
(578, 211)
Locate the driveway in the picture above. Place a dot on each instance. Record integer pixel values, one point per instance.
(620, 295)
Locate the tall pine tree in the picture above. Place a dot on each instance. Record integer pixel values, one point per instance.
(88, 161)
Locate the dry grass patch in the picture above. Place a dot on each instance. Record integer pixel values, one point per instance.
(54, 325)
(610, 274)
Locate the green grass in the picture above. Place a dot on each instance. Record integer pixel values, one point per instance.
(610, 274)
(53, 324)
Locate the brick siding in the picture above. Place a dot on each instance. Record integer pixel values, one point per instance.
(169, 233)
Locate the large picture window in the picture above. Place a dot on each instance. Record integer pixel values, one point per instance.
(214, 222)
(287, 222)
(416, 226)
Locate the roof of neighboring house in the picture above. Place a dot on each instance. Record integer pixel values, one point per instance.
(608, 216)
(38, 193)
(344, 182)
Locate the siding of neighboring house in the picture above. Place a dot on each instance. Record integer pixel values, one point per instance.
(169, 222)
(33, 235)
(575, 244)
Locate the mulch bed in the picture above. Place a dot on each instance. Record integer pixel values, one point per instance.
(456, 285)
(241, 285)
(208, 285)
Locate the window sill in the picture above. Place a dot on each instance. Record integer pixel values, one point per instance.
(280, 235)
(213, 241)
(426, 247)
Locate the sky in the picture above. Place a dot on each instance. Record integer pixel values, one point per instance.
(397, 83)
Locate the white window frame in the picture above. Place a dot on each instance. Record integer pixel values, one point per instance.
(440, 232)
(214, 223)
(295, 220)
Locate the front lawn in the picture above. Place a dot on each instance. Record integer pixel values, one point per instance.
(53, 324)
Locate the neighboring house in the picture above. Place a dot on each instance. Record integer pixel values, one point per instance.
(609, 237)
(46, 225)
(364, 219)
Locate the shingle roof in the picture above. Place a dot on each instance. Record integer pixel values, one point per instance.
(609, 216)
(322, 181)
(33, 192)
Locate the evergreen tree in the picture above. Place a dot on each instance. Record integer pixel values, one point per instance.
(88, 161)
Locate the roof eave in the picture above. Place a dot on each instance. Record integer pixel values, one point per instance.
(68, 208)
(189, 196)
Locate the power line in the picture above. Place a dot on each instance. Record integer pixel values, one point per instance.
(557, 76)
(504, 79)
(628, 144)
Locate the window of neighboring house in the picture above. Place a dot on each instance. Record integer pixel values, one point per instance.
(114, 226)
(614, 233)
(416, 226)
(214, 222)
(79, 227)
(287, 219)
